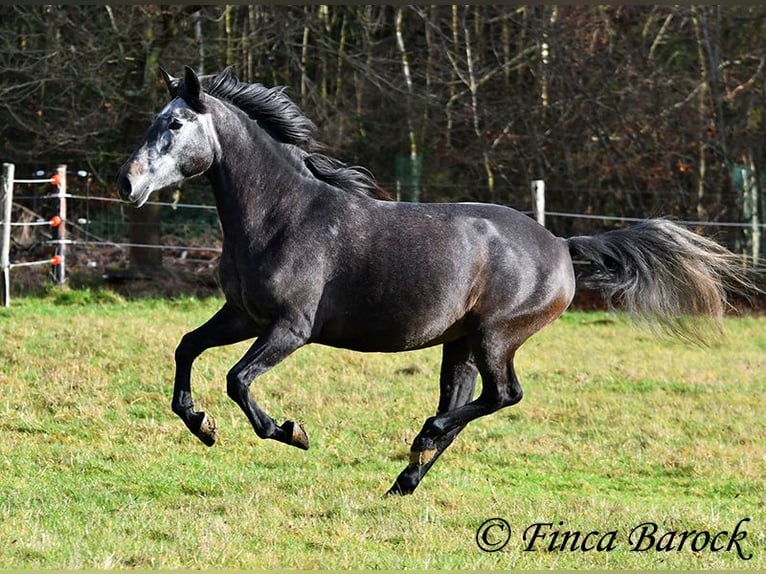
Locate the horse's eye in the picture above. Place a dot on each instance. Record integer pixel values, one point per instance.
(175, 124)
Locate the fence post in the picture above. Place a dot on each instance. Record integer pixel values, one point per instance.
(5, 247)
(751, 195)
(59, 271)
(538, 200)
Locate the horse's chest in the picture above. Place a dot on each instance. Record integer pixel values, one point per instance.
(249, 285)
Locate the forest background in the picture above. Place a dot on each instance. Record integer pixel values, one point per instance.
(631, 111)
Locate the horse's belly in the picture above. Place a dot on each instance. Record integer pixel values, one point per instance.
(394, 327)
(389, 342)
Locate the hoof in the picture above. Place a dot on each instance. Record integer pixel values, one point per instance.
(207, 431)
(396, 490)
(404, 486)
(296, 435)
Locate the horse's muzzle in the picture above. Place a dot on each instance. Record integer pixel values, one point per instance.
(124, 187)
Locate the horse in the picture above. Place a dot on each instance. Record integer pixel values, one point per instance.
(315, 252)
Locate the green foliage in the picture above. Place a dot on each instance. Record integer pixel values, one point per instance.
(616, 428)
(67, 296)
(655, 101)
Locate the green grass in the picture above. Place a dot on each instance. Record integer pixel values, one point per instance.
(617, 428)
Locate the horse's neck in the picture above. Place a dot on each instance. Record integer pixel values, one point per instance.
(259, 184)
(255, 196)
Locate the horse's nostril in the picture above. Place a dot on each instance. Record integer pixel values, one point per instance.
(123, 186)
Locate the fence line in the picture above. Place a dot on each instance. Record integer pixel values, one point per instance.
(61, 243)
(538, 187)
(113, 200)
(571, 215)
(52, 222)
(752, 228)
(637, 219)
(160, 203)
(142, 245)
(58, 261)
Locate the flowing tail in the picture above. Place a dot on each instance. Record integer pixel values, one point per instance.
(662, 272)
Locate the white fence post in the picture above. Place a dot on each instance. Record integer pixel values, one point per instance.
(751, 195)
(538, 200)
(59, 270)
(5, 248)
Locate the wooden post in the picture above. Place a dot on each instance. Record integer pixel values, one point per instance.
(5, 246)
(59, 271)
(538, 200)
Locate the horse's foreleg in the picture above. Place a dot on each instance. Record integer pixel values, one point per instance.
(267, 351)
(457, 384)
(226, 327)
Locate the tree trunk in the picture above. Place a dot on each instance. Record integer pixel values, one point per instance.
(414, 160)
(703, 116)
(145, 222)
(145, 230)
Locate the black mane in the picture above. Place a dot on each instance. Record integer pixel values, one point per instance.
(276, 113)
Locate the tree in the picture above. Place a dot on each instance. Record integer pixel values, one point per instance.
(625, 110)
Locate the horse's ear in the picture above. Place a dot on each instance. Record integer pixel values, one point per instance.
(191, 80)
(170, 82)
(192, 89)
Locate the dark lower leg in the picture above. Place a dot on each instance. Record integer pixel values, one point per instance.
(226, 327)
(500, 389)
(421, 462)
(266, 427)
(268, 350)
(457, 383)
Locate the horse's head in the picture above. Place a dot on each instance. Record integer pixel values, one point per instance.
(180, 144)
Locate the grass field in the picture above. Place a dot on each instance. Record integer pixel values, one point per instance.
(617, 429)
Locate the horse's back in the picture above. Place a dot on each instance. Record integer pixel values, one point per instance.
(415, 275)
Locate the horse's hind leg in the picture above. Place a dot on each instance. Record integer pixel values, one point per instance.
(500, 388)
(226, 327)
(457, 383)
